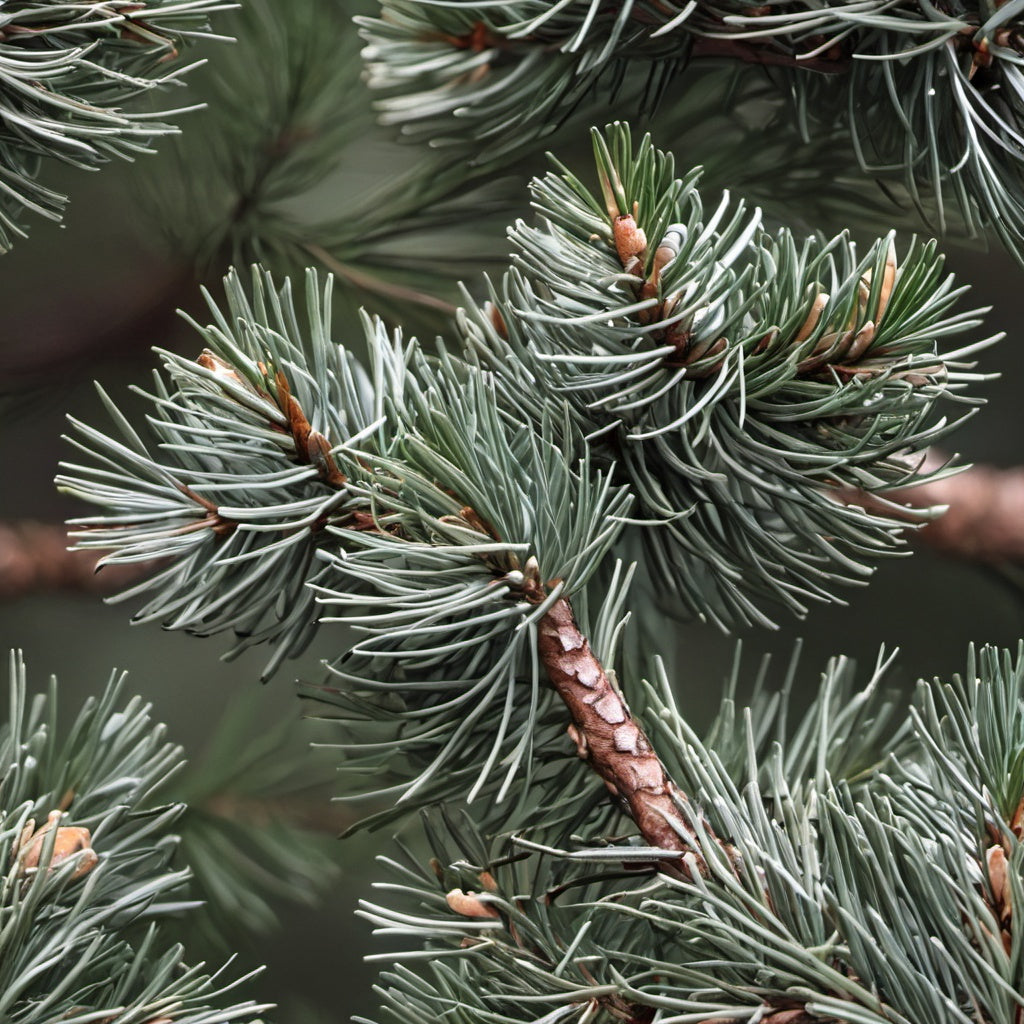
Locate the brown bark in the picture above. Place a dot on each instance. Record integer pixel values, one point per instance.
(606, 735)
(985, 519)
(34, 558)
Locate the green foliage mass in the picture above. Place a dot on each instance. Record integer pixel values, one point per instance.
(928, 95)
(855, 892)
(68, 72)
(658, 384)
(85, 903)
(649, 374)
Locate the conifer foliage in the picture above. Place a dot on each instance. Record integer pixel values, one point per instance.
(88, 886)
(661, 406)
(928, 93)
(67, 74)
(460, 512)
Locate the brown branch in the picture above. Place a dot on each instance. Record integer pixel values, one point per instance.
(68, 339)
(984, 521)
(34, 558)
(834, 61)
(826, 60)
(609, 739)
(313, 814)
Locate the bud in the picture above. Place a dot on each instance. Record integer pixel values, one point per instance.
(468, 904)
(69, 842)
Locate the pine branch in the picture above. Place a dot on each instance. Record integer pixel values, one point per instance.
(707, 377)
(606, 735)
(726, 371)
(821, 915)
(983, 522)
(88, 890)
(927, 95)
(68, 71)
(642, 368)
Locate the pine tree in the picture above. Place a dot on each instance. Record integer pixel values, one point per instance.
(666, 403)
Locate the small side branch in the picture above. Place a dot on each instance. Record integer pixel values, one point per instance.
(608, 738)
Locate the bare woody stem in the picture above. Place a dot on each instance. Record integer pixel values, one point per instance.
(607, 736)
(985, 519)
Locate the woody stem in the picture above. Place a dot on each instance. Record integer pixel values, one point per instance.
(607, 736)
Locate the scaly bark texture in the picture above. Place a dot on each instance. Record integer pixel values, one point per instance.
(606, 735)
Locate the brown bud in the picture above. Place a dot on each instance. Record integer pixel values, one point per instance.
(860, 343)
(1017, 821)
(888, 282)
(497, 320)
(468, 904)
(667, 251)
(69, 842)
(318, 452)
(999, 879)
(222, 369)
(630, 243)
(813, 317)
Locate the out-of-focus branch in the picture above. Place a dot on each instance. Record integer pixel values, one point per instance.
(34, 558)
(67, 338)
(314, 814)
(984, 523)
(985, 518)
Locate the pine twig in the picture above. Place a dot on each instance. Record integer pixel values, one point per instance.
(614, 745)
(606, 735)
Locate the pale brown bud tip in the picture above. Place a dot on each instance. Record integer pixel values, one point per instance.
(630, 241)
(999, 879)
(468, 904)
(69, 842)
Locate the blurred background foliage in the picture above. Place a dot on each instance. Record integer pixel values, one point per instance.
(287, 166)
